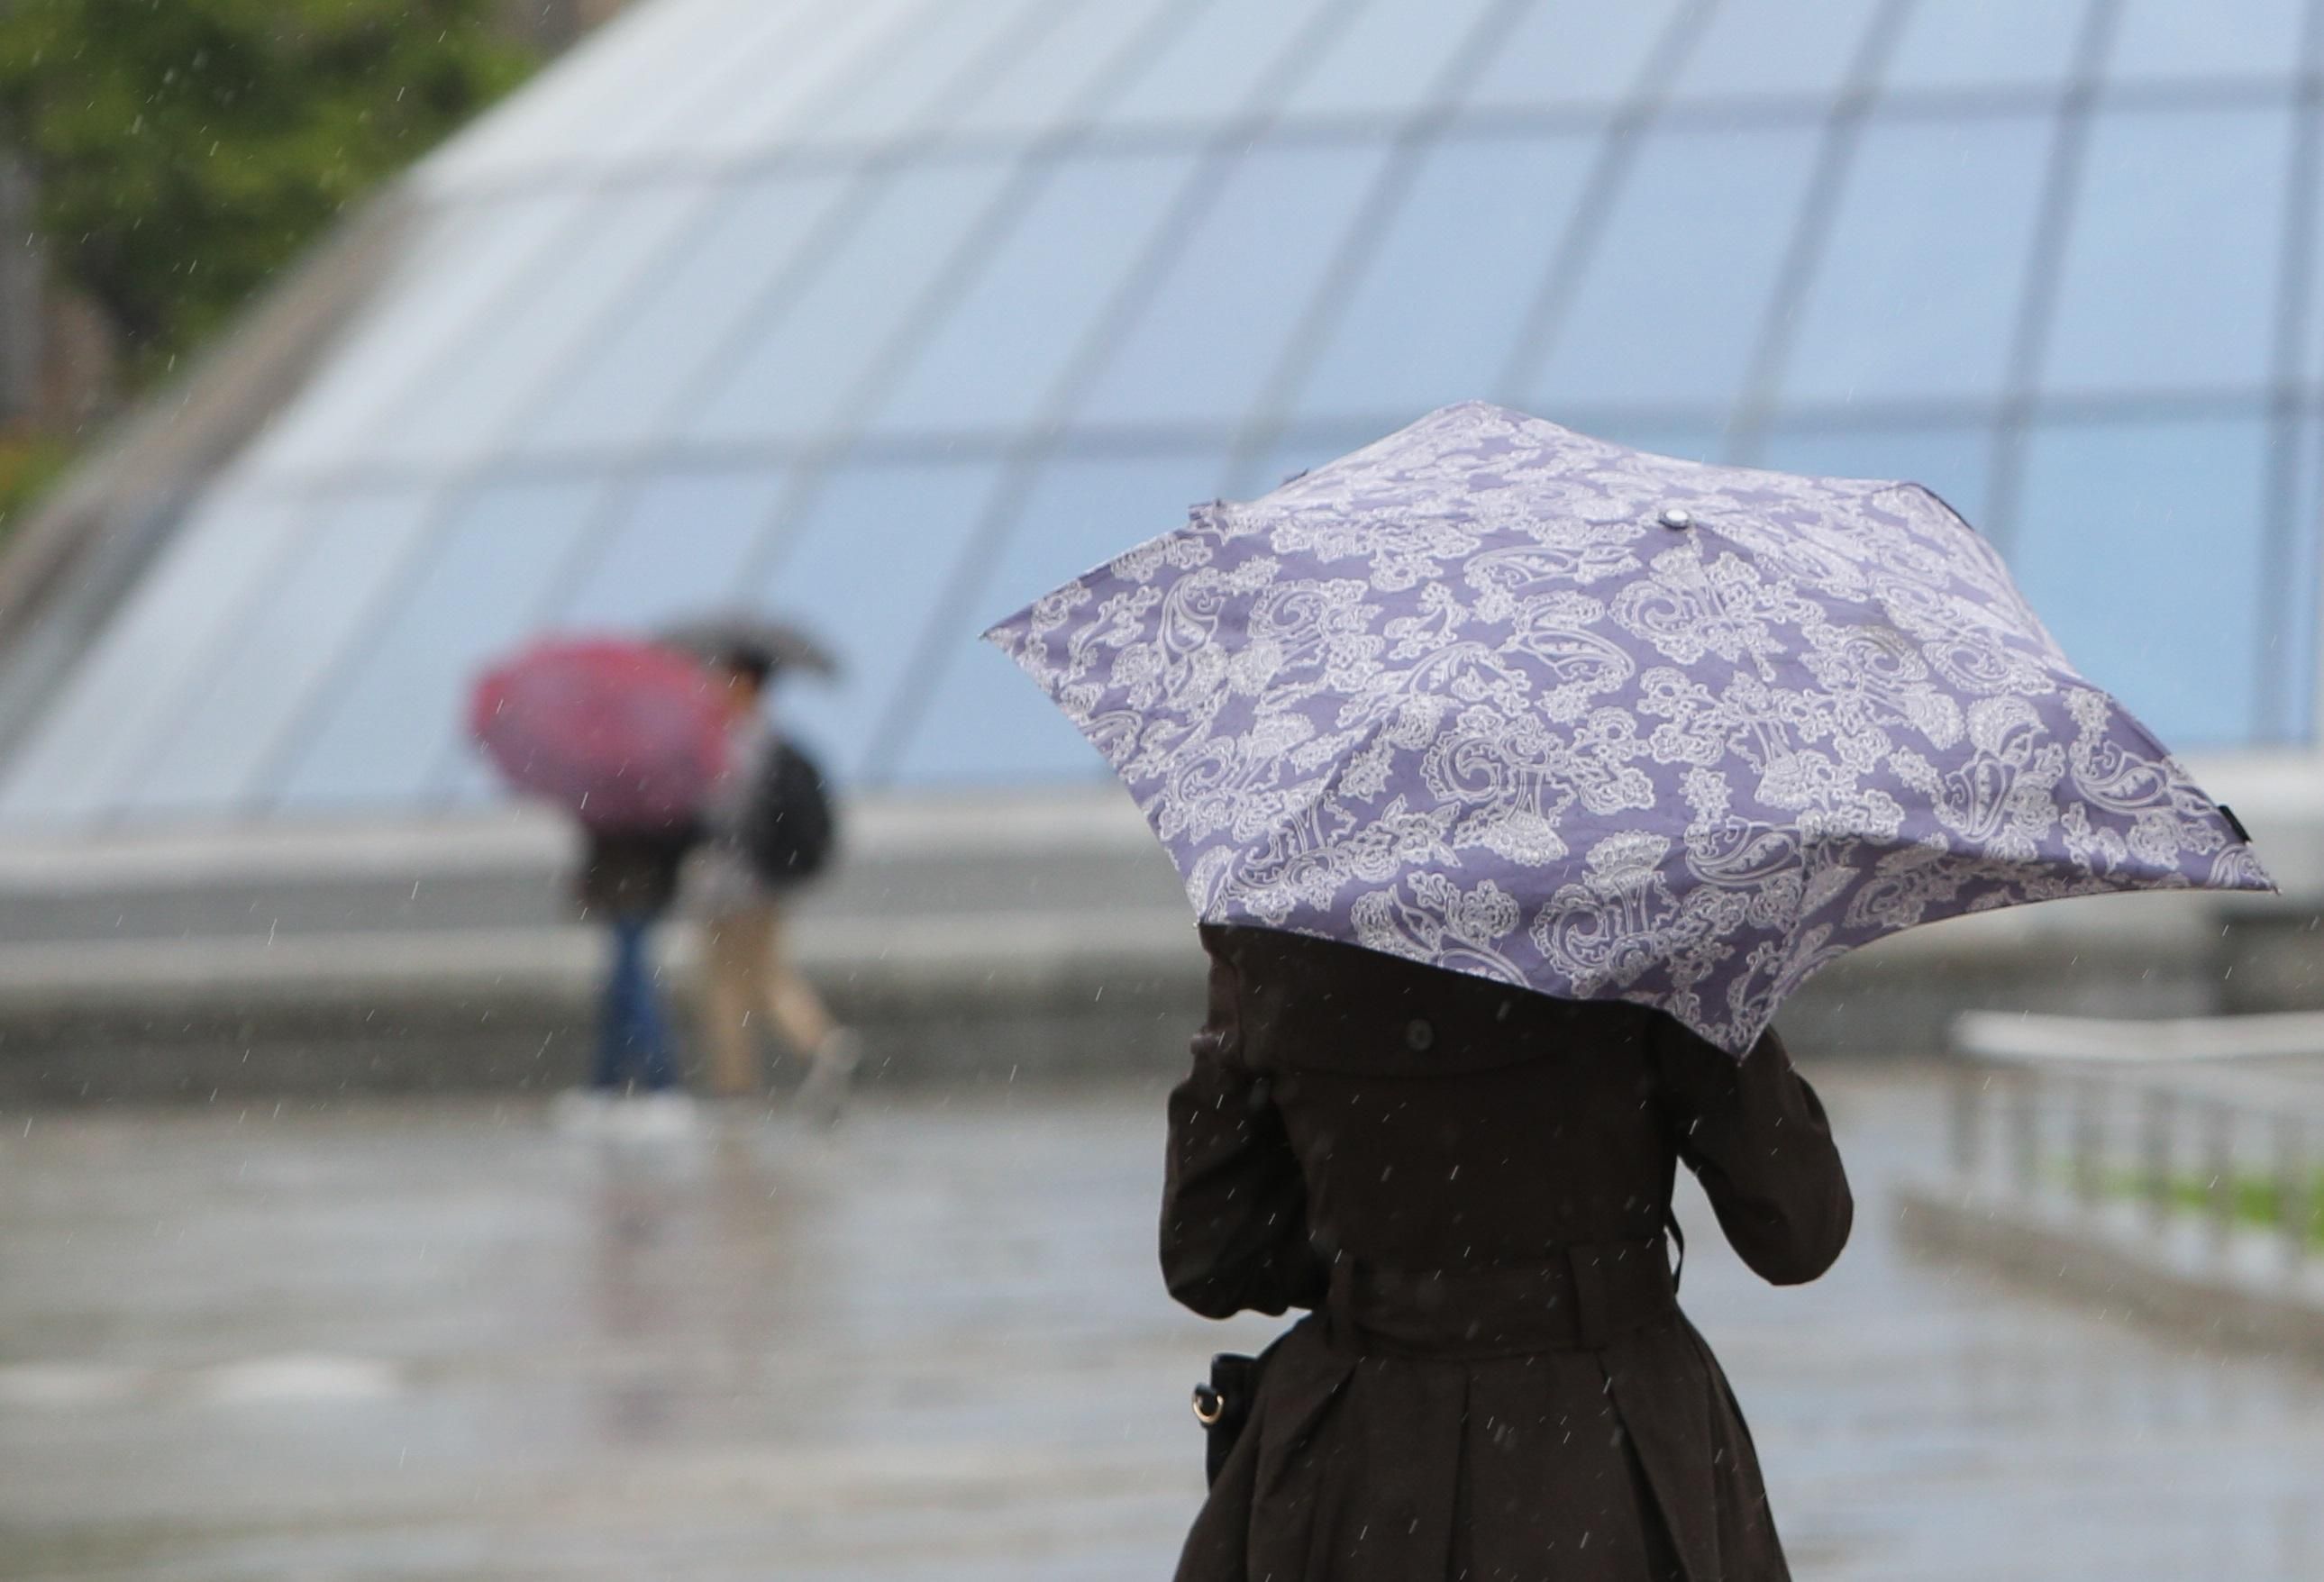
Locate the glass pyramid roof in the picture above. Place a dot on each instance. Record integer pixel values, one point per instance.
(889, 314)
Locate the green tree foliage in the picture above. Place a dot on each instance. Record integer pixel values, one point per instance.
(29, 463)
(187, 149)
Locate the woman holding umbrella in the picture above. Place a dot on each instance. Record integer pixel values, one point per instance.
(1470, 1186)
(1516, 777)
(628, 740)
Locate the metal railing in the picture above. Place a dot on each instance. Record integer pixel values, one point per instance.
(2218, 1109)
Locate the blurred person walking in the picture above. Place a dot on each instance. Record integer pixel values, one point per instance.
(628, 740)
(769, 830)
(1516, 777)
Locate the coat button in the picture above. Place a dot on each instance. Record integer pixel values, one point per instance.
(1676, 518)
(1418, 1035)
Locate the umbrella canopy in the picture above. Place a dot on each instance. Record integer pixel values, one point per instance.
(758, 640)
(625, 735)
(1524, 705)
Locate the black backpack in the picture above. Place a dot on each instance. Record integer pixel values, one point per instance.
(788, 829)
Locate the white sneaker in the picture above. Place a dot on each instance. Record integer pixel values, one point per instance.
(582, 1112)
(824, 1094)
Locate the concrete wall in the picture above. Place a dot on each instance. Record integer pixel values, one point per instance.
(972, 940)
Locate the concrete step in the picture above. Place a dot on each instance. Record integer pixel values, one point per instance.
(900, 857)
(964, 937)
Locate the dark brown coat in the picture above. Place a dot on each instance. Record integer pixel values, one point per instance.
(1469, 1186)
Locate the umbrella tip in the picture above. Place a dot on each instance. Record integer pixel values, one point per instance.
(2234, 823)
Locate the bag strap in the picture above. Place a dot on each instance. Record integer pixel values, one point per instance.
(1678, 1240)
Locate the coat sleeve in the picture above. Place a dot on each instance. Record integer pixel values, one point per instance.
(1234, 1204)
(1755, 1135)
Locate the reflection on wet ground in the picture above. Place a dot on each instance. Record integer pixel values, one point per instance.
(384, 1342)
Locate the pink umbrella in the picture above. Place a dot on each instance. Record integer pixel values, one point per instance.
(625, 735)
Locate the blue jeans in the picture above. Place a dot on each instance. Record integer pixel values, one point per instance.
(632, 1031)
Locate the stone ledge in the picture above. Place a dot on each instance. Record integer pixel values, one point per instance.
(2241, 1293)
(952, 958)
(962, 999)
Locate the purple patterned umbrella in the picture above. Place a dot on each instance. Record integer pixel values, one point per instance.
(1518, 703)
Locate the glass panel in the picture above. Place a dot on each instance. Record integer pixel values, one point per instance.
(442, 295)
(2170, 272)
(1983, 44)
(2171, 40)
(2290, 651)
(986, 722)
(216, 569)
(1441, 301)
(2140, 544)
(1029, 309)
(937, 59)
(1675, 299)
(870, 566)
(1211, 68)
(1243, 275)
(558, 112)
(1955, 462)
(799, 372)
(753, 56)
(392, 723)
(1564, 54)
(849, 43)
(683, 546)
(1917, 292)
(533, 337)
(1388, 59)
(2304, 648)
(1288, 459)
(1692, 442)
(229, 728)
(1761, 47)
(2309, 326)
(1073, 56)
(636, 364)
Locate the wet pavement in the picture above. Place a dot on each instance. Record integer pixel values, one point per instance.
(366, 1341)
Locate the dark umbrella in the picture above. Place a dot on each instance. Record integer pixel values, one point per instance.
(758, 641)
(624, 735)
(1521, 704)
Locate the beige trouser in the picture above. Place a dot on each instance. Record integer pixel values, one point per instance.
(746, 982)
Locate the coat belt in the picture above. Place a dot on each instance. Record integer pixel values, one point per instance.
(1582, 1298)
